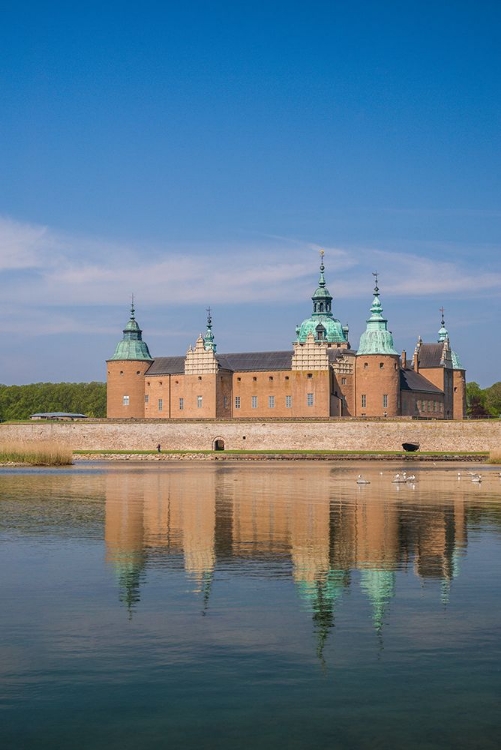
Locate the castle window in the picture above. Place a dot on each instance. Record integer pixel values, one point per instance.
(385, 401)
(364, 400)
(237, 402)
(125, 401)
(146, 399)
(254, 378)
(138, 372)
(287, 377)
(271, 402)
(309, 399)
(366, 365)
(343, 381)
(239, 379)
(200, 377)
(288, 402)
(225, 402)
(121, 372)
(271, 377)
(181, 404)
(381, 365)
(160, 404)
(310, 375)
(199, 402)
(254, 402)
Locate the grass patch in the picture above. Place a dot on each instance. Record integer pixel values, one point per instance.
(495, 456)
(40, 453)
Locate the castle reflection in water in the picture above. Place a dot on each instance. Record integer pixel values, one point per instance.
(314, 524)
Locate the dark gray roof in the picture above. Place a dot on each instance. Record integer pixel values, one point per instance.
(240, 362)
(430, 355)
(413, 381)
(255, 361)
(166, 366)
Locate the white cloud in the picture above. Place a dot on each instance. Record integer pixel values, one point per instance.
(51, 269)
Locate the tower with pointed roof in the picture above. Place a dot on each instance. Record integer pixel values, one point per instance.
(322, 324)
(377, 367)
(125, 373)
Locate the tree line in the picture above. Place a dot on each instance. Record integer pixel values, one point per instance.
(20, 401)
(483, 402)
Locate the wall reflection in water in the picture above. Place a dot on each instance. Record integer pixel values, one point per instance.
(312, 524)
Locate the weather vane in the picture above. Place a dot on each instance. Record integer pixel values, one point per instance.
(375, 274)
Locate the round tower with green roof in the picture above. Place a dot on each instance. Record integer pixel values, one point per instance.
(377, 367)
(125, 373)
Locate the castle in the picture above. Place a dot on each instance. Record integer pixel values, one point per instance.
(321, 377)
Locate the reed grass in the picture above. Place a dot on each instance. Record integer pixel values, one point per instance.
(495, 456)
(36, 453)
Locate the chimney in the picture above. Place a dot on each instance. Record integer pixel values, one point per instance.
(404, 359)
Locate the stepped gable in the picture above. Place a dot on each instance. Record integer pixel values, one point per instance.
(413, 381)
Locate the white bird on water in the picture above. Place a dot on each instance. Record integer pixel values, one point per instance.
(476, 478)
(400, 478)
(361, 480)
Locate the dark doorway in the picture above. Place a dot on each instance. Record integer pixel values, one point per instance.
(219, 444)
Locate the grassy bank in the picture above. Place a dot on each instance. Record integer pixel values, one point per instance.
(43, 453)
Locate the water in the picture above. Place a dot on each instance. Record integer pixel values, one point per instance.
(244, 606)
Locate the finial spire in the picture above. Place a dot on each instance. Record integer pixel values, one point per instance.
(376, 288)
(132, 310)
(443, 333)
(209, 336)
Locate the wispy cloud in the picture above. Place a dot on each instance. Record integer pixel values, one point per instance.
(46, 268)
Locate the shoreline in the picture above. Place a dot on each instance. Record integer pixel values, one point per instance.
(174, 457)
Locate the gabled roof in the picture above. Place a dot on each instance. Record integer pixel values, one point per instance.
(166, 366)
(414, 381)
(430, 355)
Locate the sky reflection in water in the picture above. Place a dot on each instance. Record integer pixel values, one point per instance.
(209, 605)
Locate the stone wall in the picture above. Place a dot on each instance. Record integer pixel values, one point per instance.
(334, 434)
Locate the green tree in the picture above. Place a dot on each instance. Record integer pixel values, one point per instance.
(20, 401)
(475, 401)
(493, 399)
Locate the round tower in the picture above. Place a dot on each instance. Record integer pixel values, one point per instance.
(125, 373)
(377, 367)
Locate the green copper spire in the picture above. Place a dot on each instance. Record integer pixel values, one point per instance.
(132, 346)
(443, 335)
(443, 332)
(376, 339)
(209, 336)
(322, 323)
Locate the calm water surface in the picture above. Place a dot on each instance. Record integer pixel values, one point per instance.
(250, 606)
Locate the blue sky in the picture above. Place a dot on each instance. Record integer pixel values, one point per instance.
(202, 153)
